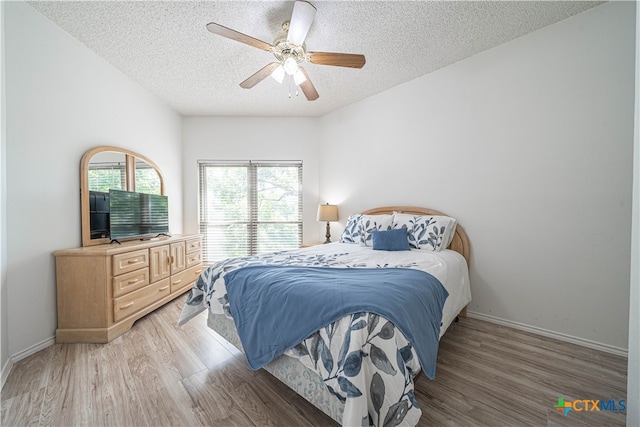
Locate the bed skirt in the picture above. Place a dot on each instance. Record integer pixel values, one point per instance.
(290, 371)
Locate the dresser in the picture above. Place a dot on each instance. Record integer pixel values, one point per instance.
(102, 290)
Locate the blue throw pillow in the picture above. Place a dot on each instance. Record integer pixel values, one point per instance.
(391, 240)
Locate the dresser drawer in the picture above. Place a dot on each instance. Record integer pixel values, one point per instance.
(194, 259)
(137, 300)
(185, 278)
(124, 263)
(193, 245)
(128, 282)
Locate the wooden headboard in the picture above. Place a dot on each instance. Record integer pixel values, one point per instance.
(460, 242)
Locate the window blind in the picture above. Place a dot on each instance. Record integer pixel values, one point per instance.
(147, 178)
(249, 207)
(106, 175)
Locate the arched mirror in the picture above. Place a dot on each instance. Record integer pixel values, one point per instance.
(105, 168)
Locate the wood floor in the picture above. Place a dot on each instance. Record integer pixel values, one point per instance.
(161, 375)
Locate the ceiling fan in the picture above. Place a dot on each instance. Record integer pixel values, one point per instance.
(290, 50)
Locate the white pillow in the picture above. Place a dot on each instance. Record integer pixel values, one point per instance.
(369, 223)
(351, 232)
(427, 232)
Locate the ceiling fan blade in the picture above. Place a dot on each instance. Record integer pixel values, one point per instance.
(260, 75)
(338, 59)
(300, 22)
(237, 36)
(307, 87)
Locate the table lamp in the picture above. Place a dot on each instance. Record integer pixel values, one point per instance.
(328, 213)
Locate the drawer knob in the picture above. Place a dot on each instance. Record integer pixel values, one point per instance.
(127, 305)
(132, 261)
(163, 288)
(177, 281)
(131, 282)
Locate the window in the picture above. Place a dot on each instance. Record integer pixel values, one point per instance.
(248, 208)
(106, 175)
(147, 178)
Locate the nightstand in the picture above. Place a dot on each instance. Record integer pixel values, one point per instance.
(308, 245)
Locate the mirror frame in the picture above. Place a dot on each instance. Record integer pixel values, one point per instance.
(130, 185)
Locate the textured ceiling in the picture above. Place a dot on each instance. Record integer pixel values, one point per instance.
(165, 47)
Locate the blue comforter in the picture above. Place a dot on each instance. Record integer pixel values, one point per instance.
(276, 307)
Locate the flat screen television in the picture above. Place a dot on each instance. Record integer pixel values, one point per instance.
(137, 215)
(99, 214)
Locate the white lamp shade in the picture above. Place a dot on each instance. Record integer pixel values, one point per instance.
(327, 212)
(278, 74)
(290, 66)
(299, 77)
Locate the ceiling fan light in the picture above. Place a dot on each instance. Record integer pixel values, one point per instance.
(290, 66)
(278, 74)
(299, 77)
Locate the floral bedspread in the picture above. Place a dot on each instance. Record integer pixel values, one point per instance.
(363, 359)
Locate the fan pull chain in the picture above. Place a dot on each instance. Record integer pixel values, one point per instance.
(289, 81)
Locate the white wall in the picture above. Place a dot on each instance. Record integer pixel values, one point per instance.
(247, 138)
(529, 145)
(4, 328)
(62, 100)
(633, 371)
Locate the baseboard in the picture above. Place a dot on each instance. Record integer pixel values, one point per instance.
(33, 349)
(23, 354)
(5, 372)
(550, 334)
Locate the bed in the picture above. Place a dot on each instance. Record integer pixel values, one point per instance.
(359, 366)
